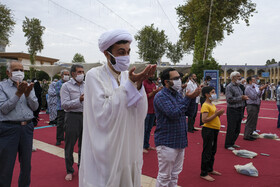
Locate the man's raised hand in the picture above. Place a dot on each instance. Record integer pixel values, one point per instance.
(28, 89)
(138, 78)
(21, 87)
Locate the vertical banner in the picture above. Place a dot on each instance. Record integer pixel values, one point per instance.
(215, 82)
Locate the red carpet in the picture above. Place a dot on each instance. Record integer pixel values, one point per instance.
(225, 160)
(49, 170)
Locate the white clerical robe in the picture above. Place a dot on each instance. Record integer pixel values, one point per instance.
(113, 131)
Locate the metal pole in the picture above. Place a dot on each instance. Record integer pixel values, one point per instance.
(208, 28)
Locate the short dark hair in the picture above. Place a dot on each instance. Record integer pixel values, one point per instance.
(207, 90)
(119, 42)
(165, 75)
(207, 78)
(74, 68)
(279, 83)
(249, 79)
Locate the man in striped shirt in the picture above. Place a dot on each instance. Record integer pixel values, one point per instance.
(235, 103)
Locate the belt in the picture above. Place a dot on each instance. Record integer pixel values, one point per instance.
(18, 122)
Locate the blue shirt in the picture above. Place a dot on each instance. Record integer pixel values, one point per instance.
(57, 87)
(14, 108)
(70, 94)
(171, 110)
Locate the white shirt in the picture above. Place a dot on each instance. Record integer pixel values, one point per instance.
(113, 131)
(191, 88)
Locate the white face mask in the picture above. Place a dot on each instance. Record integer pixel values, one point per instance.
(66, 78)
(238, 81)
(80, 77)
(177, 84)
(122, 62)
(17, 76)
(213, 97)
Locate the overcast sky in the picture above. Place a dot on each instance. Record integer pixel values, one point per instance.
(75, 25)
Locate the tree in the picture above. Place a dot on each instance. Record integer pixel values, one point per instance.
(7, 23)
(272, 61)
(194, 18)
(199, 67)
(33, 31)
(174, 52)
(78, 58)
(151, 43)
(40, 75)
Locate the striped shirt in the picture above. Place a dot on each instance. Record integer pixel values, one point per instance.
(234, 96)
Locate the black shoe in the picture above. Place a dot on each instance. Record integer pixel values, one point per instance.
(58, 143)
(195, 130)
(250, 139)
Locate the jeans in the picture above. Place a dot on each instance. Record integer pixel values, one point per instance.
(149, 122)
(210, 138)
(15, 139)
(278, 122)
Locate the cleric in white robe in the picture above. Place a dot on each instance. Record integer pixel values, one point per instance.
(115, 106)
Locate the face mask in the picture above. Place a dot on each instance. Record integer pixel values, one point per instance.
(80, 77)
(122, 62)
(238, 81)
(66, 78)
(17, 76)
(213, 97)
(258, 81)
(177, 84)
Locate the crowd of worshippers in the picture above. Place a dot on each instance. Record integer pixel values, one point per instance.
(110, 112)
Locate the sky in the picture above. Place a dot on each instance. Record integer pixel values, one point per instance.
(74, 27)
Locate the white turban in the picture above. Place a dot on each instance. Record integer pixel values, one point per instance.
(109, 38)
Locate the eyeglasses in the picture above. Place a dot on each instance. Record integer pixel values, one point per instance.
(175, 78)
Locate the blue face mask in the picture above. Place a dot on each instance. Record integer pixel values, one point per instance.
(213, 97)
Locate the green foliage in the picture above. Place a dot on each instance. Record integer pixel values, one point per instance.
(33, 31)
(3, 74)
(40, 75)
(174, 52)
(7, 23)
(151, 43)
(78, 58)
(272, 61)
(57, 76)
(199, 67)
(194, 17)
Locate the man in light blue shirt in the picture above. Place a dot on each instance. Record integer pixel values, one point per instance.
(17, 103)
(72, 99)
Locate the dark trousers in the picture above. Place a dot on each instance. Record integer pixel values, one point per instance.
(191, 119)
(73, 132)
(202, 100)
(60, 126)
(210, 138)
(234, 118)
(149, 122)
(15, 139)
(252, 120)
(278, 122)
